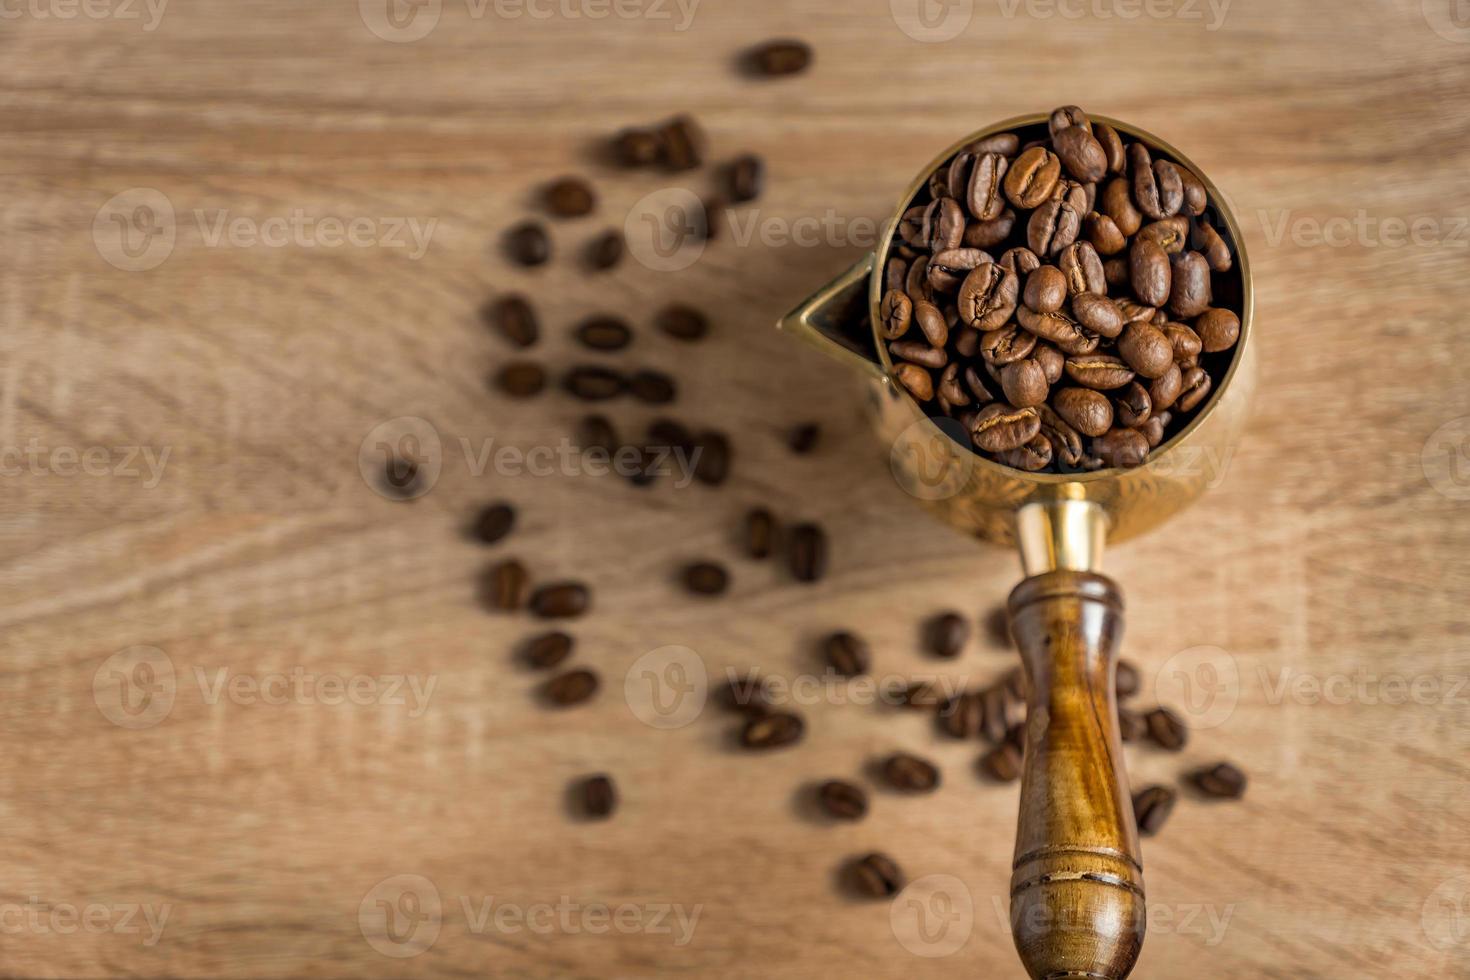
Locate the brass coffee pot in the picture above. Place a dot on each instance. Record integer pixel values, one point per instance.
(1077, 893)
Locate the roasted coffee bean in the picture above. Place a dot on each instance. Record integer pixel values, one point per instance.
(976, 386)
(1115, 271)
(1166, 730)
(841, 800)
(1153, 429)
(808, 552)
(988, 296)
(1146, 349)
(1222, 781)
(760, 533)
(985, 195)
(946, 635)
(1081, 154)
(507, 584)
(997, 709)
(561, 600)
(1104, 234)
(1101, 372)
(1132, 406)
(746, 694)
(875, 876)
(1065, 117)
(1060, 329)
(683, 322)
(1098, 314)
(917, 285)
(1122, 448)
(1126, 680)
(984, 234)
(521, 379)
(962, 715)
(1066, 442)
(931, 323)
(606, 250)
(604, 333)
(918, 352)
(1218, 329)
(1131, 726)
(513, 317)
(944, 225)
(545, 650)
(1164, 390)
(1020, 260)
(847, 654)
(652, 387)
(1216, 252)
(1147, 194)
(593, 383)
(1051, 360)
(894, 274)
(528, 244)
(1189, 293)
(668, 434)
(1117, 203)
(1024, 383)
(1031, 177)
(681, 144)
(571, 688)
(1184, 341)
(773, 730)
(597, 798)
(1033, 456)
(1002, 763)
(706, 578)
(745, 177)
(636, 147)
(1196, 198)
(495, 522)
(910, 774)
(802, 439)
(1112, 144)
(1170, 234)
(1006, 345)
(712, 465)
(999, 427)
(1148, 267)
(775, 59)
(911, 226)
(569, 197)
(948, 269)
(1135, 311)
(1085, 410)
(1006, 144)
(1046, 289)
(1194, 388)
(1171, 187)
(596, 432)
(1083, 270)
(897, 313)
(1151, 808)
(950, 392)
(1052, 227)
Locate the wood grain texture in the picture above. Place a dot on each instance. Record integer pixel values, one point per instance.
(1322, 577)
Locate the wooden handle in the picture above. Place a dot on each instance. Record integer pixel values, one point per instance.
(1077, 906)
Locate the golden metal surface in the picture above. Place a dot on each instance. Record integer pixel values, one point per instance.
(1061, 535)
(932, 458)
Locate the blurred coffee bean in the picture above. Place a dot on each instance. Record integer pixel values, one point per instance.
(847, 654)
(772, 731)
(1151, 808)
(606, 250)
(514, 318)
(652, 387)
(760, 532)
(573, 687)
(706, 578)
(495, 522)
(507, 585)
(561, 600)
(776, 59)
(594, 383)
(745, 177)
(528, 244)
(521, 379)
(910, 774)
(946, 634)
(807, 552)
(875, 875)
(1221, 780)
(570, 197)
(604, 333)
(842, 800)
(546, 650)
(597, 797)
(1166, 730)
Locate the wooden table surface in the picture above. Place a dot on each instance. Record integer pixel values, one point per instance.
(249, 703)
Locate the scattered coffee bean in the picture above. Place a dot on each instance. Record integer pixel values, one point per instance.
(546, 650)
(775, 59)
(712, 466)
(842, 800)
(947, 634)
(604, 333)
(1131, 726)
(573, 687)
(910, 774)
(528, 244)
(507, 585)
(803, 438)
(596, 432)
(874, 876)
(561, 600)
(706, 578)
(747, 694)
(681, 144)
(744, 178)
(772, 731)
(1151, 808)
(963, 716)
(636, 147)
(683, 322)
(652, 387)
(606, 250)
(1127, 680)
(514, 318)
(521, 379)
(760, 533)
(597, 796)
(808, 552)
(847, 654)
(1166, 729)
(570, 197)
(1002, 763)
(593, 383)
(1222, 780)
(494, 523)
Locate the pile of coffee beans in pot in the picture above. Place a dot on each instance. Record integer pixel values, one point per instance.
(1063, 293)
